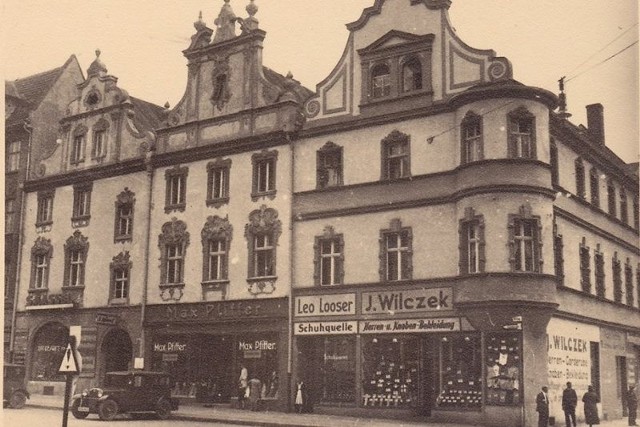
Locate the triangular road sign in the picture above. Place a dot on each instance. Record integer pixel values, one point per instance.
(69, 363)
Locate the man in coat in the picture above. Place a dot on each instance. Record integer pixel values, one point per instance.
(569, 403)
(632, 405)
(542, 407)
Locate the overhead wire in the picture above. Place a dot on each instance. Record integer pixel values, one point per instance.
(603, 61)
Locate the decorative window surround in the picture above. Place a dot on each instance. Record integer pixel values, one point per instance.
(218, 173)
(396, 156)
(525, 244)
(173, 242)
(329, 166)
(471, 144)
(120, 269)
(522, 135)
(81, 204)
(585, 267)
(216, 241)
(262, 234)
(264, 175)
(45, 209)
(123, 226)
(176, 189)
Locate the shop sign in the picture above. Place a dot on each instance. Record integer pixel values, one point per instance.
(219, 310)
(51, 348)
(407, 301)
(409, 325)
(325, 328)
(257, 345)
(170, 357)
(252, 354)
(170, 346)
(106, 319)
(325, 305)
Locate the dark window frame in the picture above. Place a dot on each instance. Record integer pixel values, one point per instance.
(517, 120)
(628, 283)
(471, 144)
(553, 163)
(412, 65)
(335, 258)
(174, 235)
(594, 187)
(13, 156)
(616, 270)
(380, 80)
(472, 222)
(580, 173)
(44, 214)
(78, 245)
(404, 254)
(41, 248)
(218, 189)
(263, 223)
(78, 145)
(216, 229)
(99, 134)
(82, 201)
(176, 188)
(124, 201)
(624, 207)
(611, 198)
(389, 159)
(600, 277)
(522, 222)
(329, 158)
(120, 263)
(264, 181)
(585, 266)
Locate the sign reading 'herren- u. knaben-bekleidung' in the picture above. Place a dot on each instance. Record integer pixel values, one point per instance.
(407, 301)
(409, 325)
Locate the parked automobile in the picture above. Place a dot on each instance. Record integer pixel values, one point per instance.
(14, 393)
(133, 392)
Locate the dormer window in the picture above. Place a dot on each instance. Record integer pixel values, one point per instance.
(412, 75)
(78, 144)
(380, 81)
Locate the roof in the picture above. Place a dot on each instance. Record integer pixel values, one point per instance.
(148, 116)
(281, 81)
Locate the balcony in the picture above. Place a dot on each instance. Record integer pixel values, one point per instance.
(42, 299)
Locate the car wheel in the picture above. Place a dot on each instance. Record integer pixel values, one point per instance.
(18, 400)
(163, 409)
(108, 410)
(74, 410)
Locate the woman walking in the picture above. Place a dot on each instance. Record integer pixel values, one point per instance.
(591, 400)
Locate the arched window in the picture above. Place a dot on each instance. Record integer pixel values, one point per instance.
(412, 75)
(380, 81)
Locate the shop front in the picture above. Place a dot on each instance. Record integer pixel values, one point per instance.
(205, 346)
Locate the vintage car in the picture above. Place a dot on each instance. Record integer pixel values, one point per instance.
(137, 393)
(14, 393)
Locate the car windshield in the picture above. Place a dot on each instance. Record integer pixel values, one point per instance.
(117, 381)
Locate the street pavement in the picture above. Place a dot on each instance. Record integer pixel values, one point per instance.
(225, 414)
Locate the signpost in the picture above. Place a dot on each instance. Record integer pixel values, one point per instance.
(70, 367)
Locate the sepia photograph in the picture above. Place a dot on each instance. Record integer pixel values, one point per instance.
(321, 213)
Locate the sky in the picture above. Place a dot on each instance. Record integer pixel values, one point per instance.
(142, 42)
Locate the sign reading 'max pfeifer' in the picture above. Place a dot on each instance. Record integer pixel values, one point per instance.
(407, 301)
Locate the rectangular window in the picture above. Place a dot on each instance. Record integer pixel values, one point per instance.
(124, 221)
(121, 283)
(45, 208)
(13, 156)
(76, 268)
(594, 185)
(611, 199)
(398, 254)
(218, 183)
(217, 252)
(397, 156)
(41, 266)
(585, 269)
(525, 245)
(521, 138)
(99, 144)
(472, 141)
(628, 283)
(503, 353)
(472, 246)
(330, 262)
(598, 260)
(174, 264)
(82, 202)
(617, 280)
(77, 149)
(580, 178)
(265, 176)
(381, 85)
(553, 162)
(594, 351)
(263, 255)
(624, 214)
(636, 213)
(10, 216)
(176, 190)
(558, 255)
(329, 168)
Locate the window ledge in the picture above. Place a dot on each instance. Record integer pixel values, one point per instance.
(172, 208)
(48, 307)
(37, 290)
(118, 301)
(122, 238)
(269, 194)
(216, 203)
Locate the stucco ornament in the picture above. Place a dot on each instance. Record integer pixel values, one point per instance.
(220, 79)
(225, 23)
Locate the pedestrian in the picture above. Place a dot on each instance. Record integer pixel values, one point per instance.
(255, 389)
(591, 400)
(301, 396)
(632, 405)
(542, 407)
(243, 382)
(569, 403)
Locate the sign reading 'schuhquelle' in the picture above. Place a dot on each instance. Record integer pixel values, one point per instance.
(407, 301)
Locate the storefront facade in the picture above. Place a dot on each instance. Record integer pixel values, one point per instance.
(206, 345)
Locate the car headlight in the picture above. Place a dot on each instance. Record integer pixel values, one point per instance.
(99, 393)
(85, 393)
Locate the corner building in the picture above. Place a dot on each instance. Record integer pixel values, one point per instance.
(434, 198)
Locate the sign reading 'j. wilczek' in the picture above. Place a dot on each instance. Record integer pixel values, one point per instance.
(407, 301)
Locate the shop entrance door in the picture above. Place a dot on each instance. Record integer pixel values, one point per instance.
(428, 375)
(117, 350)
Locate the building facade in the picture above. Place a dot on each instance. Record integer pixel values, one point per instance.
(422, 236)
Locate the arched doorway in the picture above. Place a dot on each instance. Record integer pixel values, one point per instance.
(117, 351)
(49, 344)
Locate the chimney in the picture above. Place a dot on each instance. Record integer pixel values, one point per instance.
(595, 122)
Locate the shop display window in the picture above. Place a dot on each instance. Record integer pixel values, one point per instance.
(390, 372)
(503, 368)
(49, 346)
(461, 383)
(338, 369)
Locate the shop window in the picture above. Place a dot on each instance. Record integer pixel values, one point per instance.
(616, 268)
(75, 255)
(13, 156)
(472, 244)
(173, 243)
(333, 363)
(218, 182)
(524, 241)
(78, 143)
(580, 179)
(461, 373)
(504, 368)
(329, 166)
(120, 268)
(611, 198)
(10, 216)
(45, 208)
(329, 258)
(522, 142)
(628, 283)
(412, 75)
(216, 238)
(585, 267)
(624, 214)
(41, 253)
(598, 263)
(176, 189)
(264, 174)
(81, 204)
(396, 156)
(123, 229)
(594, 184)
(471, 134)
(390, 375)
(49, 346)
(380, 81)
(262, 234)
(396, 253)
(594, 351)
(558, 257)
(553, 160)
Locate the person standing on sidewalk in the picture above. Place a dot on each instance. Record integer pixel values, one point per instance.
(243, 382)
(569, 403)
(542, 407)
(591, 400)
(632, 405)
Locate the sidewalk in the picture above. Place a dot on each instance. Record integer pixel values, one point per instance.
(224, 414)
